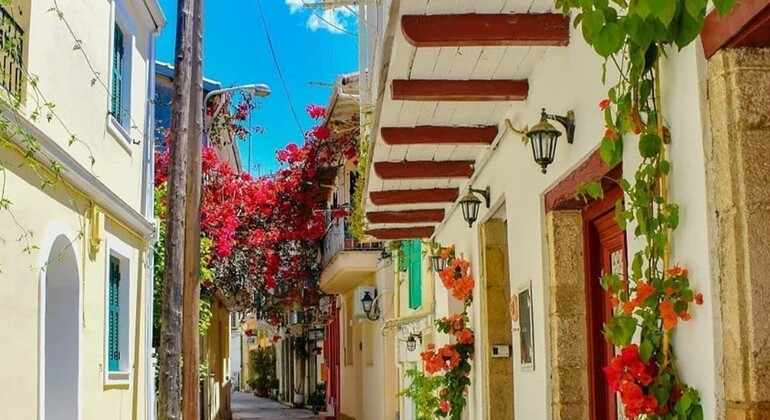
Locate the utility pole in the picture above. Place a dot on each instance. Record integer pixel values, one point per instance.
(170, 352)
(192, 258)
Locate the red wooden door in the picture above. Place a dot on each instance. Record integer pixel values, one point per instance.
(605, 253)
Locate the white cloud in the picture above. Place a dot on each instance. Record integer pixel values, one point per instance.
(334, 20)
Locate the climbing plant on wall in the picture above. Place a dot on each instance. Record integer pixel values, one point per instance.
(451, 363)
(632, 37)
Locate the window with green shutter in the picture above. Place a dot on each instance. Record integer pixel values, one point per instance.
(113, 318)
(116, 100)
(413, 252)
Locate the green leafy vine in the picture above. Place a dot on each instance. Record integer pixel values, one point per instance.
(633, 36)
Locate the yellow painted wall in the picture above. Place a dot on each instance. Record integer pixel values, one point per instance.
(65, 80)
(217, 354)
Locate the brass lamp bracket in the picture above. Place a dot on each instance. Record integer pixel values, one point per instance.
(521, 133)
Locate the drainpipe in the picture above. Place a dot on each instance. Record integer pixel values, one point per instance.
(148, 209)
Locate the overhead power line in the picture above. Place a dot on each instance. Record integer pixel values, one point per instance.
(320, 17)
(278, 68)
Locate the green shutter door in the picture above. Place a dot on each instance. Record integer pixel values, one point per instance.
(113, 342)
(415, 273)
(117, 75)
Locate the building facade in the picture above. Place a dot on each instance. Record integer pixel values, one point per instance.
(447, 99)
(78, 324)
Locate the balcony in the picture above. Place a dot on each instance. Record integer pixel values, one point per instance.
(346, 261)
(11, 53)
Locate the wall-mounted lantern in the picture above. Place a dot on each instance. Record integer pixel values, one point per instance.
(543, 136)
(370, 309)
(470, 204)
(411, 342)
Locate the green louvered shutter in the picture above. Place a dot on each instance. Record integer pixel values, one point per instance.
(415, 273)
(116, 104)
(113, 342)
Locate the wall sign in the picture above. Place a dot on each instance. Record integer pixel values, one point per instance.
(526, 327)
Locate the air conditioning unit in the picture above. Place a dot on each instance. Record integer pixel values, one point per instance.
(361, 291)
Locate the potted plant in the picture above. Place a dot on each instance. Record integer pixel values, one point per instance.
(317, 400)
(301, 354)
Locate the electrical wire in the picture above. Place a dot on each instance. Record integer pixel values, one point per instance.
(322, 19)
(278, 68)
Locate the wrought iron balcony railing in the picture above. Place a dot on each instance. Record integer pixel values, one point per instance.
(338, 239)
(11, 53)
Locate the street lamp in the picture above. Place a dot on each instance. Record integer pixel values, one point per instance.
(257, 89)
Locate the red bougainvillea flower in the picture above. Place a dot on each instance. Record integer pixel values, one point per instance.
(321, 132)
(315, 111)
(339, 213)
(444, 406)
(629, 376)
(610, 133)
(699, 299)
(604, 103)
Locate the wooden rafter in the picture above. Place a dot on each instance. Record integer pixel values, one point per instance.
(438, 135)
(460, 90)
(424, 169)
(406, 216)
(428, 195)
(402, 233)
(480, 30)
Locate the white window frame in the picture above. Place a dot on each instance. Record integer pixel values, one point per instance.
(121, 18)
(123, 252)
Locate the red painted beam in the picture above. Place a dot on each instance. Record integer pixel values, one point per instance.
(424, 169)
(402, 233)
(406, 216)
(747, 25)
(438, 135)
(485, 30)
(433, 195)
(460, 90)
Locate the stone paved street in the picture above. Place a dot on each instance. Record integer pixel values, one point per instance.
(248, 407)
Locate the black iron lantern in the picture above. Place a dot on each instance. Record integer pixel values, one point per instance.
(437, 263)
(470, 204)
(367, 302)
(543, 137)
(411, 343)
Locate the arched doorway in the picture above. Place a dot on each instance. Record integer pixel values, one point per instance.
(61, 333)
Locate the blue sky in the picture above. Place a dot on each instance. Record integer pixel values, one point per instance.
(236, 52)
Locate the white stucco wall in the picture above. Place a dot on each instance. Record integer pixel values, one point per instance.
(569, 78)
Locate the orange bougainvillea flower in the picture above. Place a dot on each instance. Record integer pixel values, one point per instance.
(668, 315)
(465, 336)
(643, 291)
(677, 271)
(668, 291)
(444, 406)
(699, 299)
(628, 307)
(685, 316)
(614, 301)
(610, 133)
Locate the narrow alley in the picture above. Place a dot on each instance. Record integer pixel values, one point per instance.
(248, 407)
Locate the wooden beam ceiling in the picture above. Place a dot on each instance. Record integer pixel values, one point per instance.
(481, 30)
(402, 233)
(406, 216)
(460, 90)
(438, 135)
(424, 169)
(429, 195)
